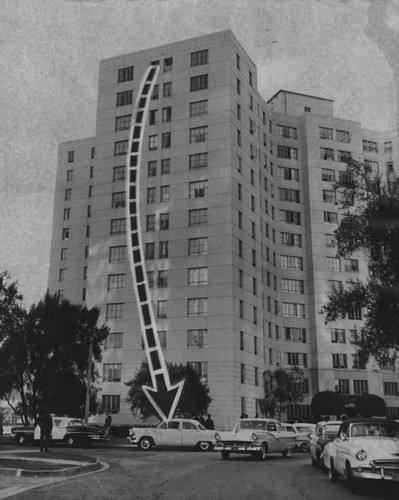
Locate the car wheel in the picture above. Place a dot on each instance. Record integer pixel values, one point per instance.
(304, 448)
(260, 455)
(204, 445)
(286, 453)
(332, 473)
(353, 484)
(145, 443)
(21, 440)
(70, 441)
(225, 454)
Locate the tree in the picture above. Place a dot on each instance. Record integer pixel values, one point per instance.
(44, 357)
(281, 389)
(370, 405)
(370, 226)
(327, 403)
(194, 400)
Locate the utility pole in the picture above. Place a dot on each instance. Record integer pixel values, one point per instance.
(88, 381)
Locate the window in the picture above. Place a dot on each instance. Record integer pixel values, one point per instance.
(112, 372)
(116, 281)
(65, 233)
(250, 78)
(165, 166)
(164, 221)
(338, 336)
(68, 194)
(155, 93)
(295, 334)
(198, 108)
(330, 240)
(64, 252)
(197, 306)
(388, 365)
(167, 114)
(201, 367)
(125, 74)
(351, 265)
(286, 131)
(333, 264)
(166, 140)
(293, 310)
(239, 137)
(152, 168)
(197, 276)
(326, 133)
(163, 251)
(291, 262)
(164, 198)
(197, 338)
(71, 156)
(89, 211)
(342, 386)
(242, 373)
(199, 82)
(91, 172)
(287, 152)
(120, 148)
(343, 136)
(151, 195)
(388, 147)
(124, 98)
(152, 142)
(153, 116)
(291, 195)
(61, 275)
(307, 109)
(167, 89)
(162, 309)
(200, 57)
(326, 154)
(371, 166)
(118, 226)
(391, 389)
(291, 174)
(118, 199)
(150, 222)
(198, 189)
(339, 360)
(162, 279)
(330, 217)
(119, 173)
(327, 175)
(355, 312)
(123, 122)
(291, 240)
(329, 196)
(69, 175)
(114, 341)
(292, 286)
(114, 311)
(370, 146)
(118, 254)
(344, 156)
(67, 213)
(198, 160)
(238, 86)
(85, 269)
(167, 64)
(296, 359)
(197, 216)
(290, 217)
(149, 250)
(198, 134)
(360, 386)
(238, 111)
(198, 246)
(238, 61)
(111, 404)
(90, 192)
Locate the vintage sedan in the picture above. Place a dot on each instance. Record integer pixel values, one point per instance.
(70, 431)
(325, 432)
(256, 436)
(176, 432)
(364, 449)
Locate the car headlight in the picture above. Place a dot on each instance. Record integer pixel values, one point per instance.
(217, 436)
(361, 455)
(254, 437)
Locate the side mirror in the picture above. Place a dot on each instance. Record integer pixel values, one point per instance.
(344, 437)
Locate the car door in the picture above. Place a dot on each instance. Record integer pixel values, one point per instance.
(285, 438)
(190, 434)
(172, 435)
(58, 431)
(273, 443)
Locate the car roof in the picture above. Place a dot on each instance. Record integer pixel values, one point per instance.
(329, 422)
(370, 420)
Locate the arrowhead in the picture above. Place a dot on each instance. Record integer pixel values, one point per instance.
(164, 399)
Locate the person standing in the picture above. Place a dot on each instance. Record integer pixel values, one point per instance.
(107, 423)
(45, 422)
(1, 424)
(209, 423)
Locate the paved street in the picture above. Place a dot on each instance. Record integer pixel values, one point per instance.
(189, 475)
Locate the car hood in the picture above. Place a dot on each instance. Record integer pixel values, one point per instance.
(376, 447)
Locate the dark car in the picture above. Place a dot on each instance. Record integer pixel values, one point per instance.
(325, 432)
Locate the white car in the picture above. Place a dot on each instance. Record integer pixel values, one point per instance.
(257, 436)
(364, 449)
(176, 432)
(304, 432)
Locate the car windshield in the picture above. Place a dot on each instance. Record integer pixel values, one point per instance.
(303, 429)
(252, 424)
(76, 422)
(330, 430)
(377, 429)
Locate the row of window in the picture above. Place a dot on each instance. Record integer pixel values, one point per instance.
(291, 334)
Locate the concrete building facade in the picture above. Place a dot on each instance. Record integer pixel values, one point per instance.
(238, 217)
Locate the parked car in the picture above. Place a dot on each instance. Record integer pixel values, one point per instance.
(325, 432)
(256, 436)
(176, 432)
(23, 434)
(304, 433)
(364, 449)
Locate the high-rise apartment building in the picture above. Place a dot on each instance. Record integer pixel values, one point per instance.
(238, 214)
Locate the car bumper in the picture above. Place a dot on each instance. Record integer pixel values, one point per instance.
(238, 447)
(387, 473)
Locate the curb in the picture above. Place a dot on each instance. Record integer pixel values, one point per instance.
(67, 472)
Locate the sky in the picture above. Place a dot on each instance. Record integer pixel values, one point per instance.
(345, 50)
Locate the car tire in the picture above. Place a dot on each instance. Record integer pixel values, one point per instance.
(204, 446)
(260, 455)
(225, 454)
(332, 473)
(70, 441)
(304, 448)
(145, 443)
(21, 439)
(353, 484)
(286, 453)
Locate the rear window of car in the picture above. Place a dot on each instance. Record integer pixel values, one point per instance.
(330, 430)
(76, 422)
